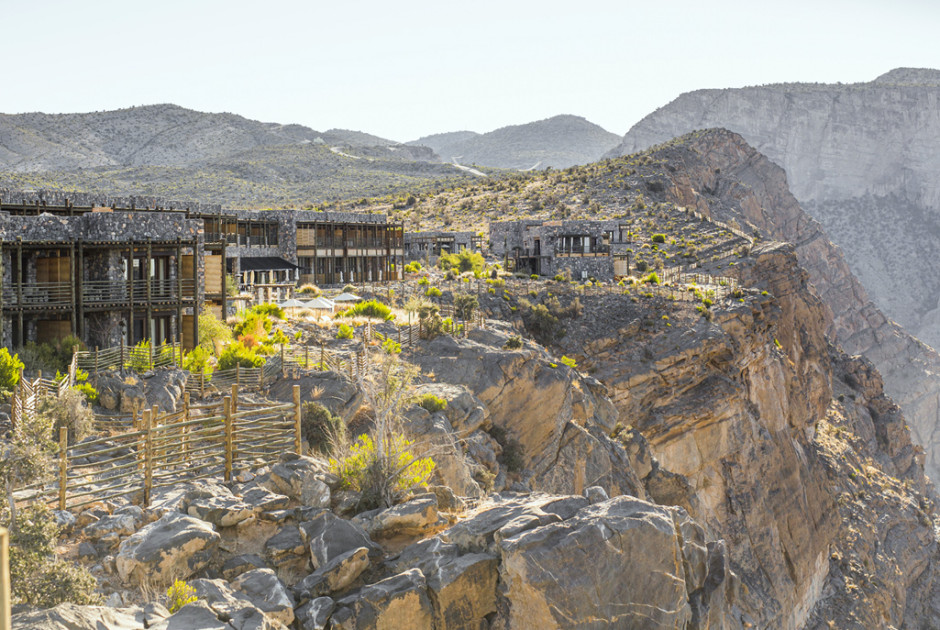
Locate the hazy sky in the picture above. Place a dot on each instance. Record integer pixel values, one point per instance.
(406, 69)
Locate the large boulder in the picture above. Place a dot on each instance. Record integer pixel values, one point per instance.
(400, 601)
(452, 467)
(507, 514)
(220, 511)
(267, 593)
(302, 478)
(412, 518)
(619, 563)
(333, 576)
(195, 616)
(109, 530)
(175, 546)
(75, 617)
(329, 536)
(465, 412)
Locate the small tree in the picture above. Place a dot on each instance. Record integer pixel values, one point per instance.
(214, 334)
(465, 304)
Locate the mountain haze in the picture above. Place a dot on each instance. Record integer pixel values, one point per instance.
(558, 142)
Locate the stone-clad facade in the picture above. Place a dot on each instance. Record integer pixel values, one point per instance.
(103, 276)
(586, 249)
(267, 253)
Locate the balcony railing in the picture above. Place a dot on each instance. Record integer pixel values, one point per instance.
(54, 294)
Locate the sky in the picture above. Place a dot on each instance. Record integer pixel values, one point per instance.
(406, 69)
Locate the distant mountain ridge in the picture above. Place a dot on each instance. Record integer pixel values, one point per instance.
(558, 142)
(172, 152)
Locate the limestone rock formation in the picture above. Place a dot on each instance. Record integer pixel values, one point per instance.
(860, 158)
(173, 547)
(723, 177)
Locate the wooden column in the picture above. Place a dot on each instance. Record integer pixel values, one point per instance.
(19, 290)
(149, 324)
(197, 303)
(179, 287)
(72, 289)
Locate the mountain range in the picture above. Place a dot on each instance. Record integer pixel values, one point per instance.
(177, 153)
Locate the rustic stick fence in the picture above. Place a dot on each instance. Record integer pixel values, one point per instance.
(196, 442)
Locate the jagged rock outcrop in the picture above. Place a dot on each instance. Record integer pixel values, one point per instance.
(861, 159)
(723, 177)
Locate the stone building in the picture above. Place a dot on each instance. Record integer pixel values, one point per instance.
(428, 246)
(103, 276)
(588, 249)
(267, 253)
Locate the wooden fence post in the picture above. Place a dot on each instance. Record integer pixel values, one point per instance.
(63, 464)
(186, 429)
(148, 457)
(121, 367)
(298, 444)
(96, 361)
(155, 424)
(6, 621)
(234, 399)
(227, 407)
(238, 374)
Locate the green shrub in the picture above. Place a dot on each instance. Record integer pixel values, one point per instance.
(88, 391)
(197, 361)
(659, 238)
(413, 267)
(138, 357)
(642, 265)
(270, 309)
(707, 303)
(309, 290)
(534, 276)
(10, 366)
(179, 594)
(237, 354)
(569, 362)
(396, 474)
(369, 308)
(214, 334)
(433, 292)
(390, 346)
(513, 343)
(652, 278)
(463, 262)
(37, 577)
(318, 427)
(349, 289)
(431, 403)
(424, 281)
(559, 278)
(345, 332)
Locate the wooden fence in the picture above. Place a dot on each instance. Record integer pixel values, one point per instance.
(196, 442)
(139, 358)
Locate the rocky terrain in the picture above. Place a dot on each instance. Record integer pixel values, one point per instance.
(702, 466)
(860, 158)
(557, 142)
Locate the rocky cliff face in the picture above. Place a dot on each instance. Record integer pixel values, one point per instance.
(723, 177)
(861, 158)
(783, 448)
